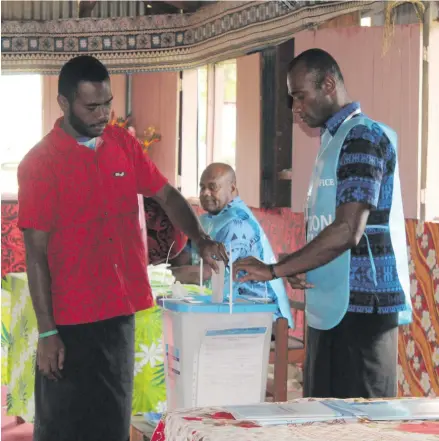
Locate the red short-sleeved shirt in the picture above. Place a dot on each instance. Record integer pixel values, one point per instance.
(87, 200)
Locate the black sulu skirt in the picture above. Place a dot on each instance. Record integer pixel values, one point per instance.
(92, 402)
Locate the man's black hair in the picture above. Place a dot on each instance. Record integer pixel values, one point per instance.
(320, 62)
(82, 68)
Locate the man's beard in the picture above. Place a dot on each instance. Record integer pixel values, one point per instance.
(79, 126)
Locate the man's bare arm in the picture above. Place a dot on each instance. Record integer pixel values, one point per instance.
(343, 234)
(39, 278)
(180, 212)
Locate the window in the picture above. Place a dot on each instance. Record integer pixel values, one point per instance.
(22, 120)
(216, 115)
(225, 113)
(208, 121)
(201, 122)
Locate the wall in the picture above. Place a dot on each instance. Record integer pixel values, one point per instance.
(51, 110)
(155, 103)
(248, 128)
(388, 88)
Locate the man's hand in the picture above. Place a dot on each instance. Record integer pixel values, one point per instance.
(299, 282)
(255, 269)
(51, 354)
(211, 251)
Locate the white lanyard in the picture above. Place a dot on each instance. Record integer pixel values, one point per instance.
(355, 112)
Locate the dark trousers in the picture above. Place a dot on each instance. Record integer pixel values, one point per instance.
(93, 400)
(357, 358)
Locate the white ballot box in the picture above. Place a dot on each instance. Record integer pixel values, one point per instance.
(216, 354)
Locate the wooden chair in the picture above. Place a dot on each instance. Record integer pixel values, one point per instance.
(285, 350)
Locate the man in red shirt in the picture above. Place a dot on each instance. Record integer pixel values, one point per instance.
(86, 261)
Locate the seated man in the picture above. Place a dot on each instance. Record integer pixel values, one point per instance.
(230, 221)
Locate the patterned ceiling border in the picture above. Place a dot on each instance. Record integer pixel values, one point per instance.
(215, 33)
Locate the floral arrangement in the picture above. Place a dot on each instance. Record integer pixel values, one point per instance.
(119, 121)
(150, 135)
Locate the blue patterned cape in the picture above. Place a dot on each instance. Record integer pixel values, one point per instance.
(236, 226)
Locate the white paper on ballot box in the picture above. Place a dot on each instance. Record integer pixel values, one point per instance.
(229, 367)
(218, 283)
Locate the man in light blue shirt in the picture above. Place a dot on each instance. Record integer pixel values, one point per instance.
(228, 220)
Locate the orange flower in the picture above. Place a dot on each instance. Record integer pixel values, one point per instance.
(119, 121)
(150, 136)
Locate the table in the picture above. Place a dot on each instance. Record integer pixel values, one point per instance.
(214, 424)
(140, 429)
(19, 342)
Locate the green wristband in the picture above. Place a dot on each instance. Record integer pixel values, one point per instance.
(49, 333)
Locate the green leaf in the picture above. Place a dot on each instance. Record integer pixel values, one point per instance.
(22, 391)
(158, 377)
(34, 360)
(7, 283)
(9, 402)
(6, 336)
(24, 328)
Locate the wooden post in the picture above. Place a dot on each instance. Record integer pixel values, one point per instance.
(276, 126)
(427, 19)
(129, 95)
(281, 360)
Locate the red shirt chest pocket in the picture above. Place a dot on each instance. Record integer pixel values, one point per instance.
(117, 180)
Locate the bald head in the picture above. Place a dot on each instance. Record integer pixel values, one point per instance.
(217, 187)
(218, 170)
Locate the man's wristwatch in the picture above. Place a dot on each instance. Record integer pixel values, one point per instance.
(273, 272)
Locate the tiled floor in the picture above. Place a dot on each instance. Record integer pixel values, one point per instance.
(10, 430)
